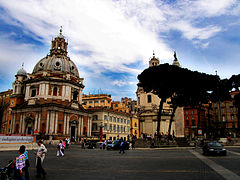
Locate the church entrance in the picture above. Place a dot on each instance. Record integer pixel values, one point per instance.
(29, 130)
(73, 131)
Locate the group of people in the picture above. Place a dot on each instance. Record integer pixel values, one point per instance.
(61, 146)
(21, 163)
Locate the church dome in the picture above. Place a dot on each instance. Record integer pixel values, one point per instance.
(56, 64)
(22, 72)
(57, 61)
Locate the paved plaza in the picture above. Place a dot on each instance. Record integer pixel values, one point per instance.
(134, 164)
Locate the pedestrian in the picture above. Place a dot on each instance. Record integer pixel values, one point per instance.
(40, 156)
(59, 149)
(27, 164)
(19, 165)
(121, 146)
(133, 143)
(63, 146)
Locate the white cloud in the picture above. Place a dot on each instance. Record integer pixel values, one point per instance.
(115, 33)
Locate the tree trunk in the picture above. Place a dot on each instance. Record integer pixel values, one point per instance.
(171, 120)
(160, 114)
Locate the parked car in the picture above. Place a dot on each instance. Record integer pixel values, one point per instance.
(115, 145)
(214, 148)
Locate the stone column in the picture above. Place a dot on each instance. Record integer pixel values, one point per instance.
(64, 123)
(79, 121)
(35, 122)
(67, 124)
(20, 125)
(47, 125)
(56, 122)
(82, 126)
(52, 119)
(88, 126)
(39, 121)
(23, 123)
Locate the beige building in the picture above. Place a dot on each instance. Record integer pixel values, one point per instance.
(115, 125)
(148, 106)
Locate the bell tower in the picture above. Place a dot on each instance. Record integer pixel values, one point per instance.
(59, 45)
(153, 61)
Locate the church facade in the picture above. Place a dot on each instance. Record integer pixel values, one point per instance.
(148, 107)
(48, 101)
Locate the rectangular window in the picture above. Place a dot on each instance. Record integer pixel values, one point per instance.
(232, 117)
(114, 119)
(110, 118)
(124, 121)
(102, 101)
(90, 102)
(94, 126)
(105, 126)
(105, 117)
(222, 110)
(128, 122)
(110, 127)
(149, 97)
(116, 105)
(118, 120)
(95, 117)
(114, 127)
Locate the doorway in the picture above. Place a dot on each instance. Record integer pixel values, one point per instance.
(73, 130)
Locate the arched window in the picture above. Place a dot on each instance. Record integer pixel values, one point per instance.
(135, 125)
(55, 89)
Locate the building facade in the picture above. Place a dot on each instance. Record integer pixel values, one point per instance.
(48, 101)
(112, 124)
(5, 111)
(148, 107)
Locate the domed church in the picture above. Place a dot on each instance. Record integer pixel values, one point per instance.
(48, 101)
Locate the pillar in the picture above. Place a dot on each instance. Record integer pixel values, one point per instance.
(56, 122)
(47, 125)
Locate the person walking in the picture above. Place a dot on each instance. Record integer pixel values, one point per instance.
(133, 143)
(59, 149)
(27, 164)
(40, 156)
(20, 164)
(63, 146)
(121, 147)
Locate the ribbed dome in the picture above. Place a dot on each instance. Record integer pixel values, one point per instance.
(22, 72)
(56, 65)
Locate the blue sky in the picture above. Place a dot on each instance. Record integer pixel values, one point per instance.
(111, 41)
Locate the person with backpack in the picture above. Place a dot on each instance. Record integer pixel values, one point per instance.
(19, 165)
(27, 164)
